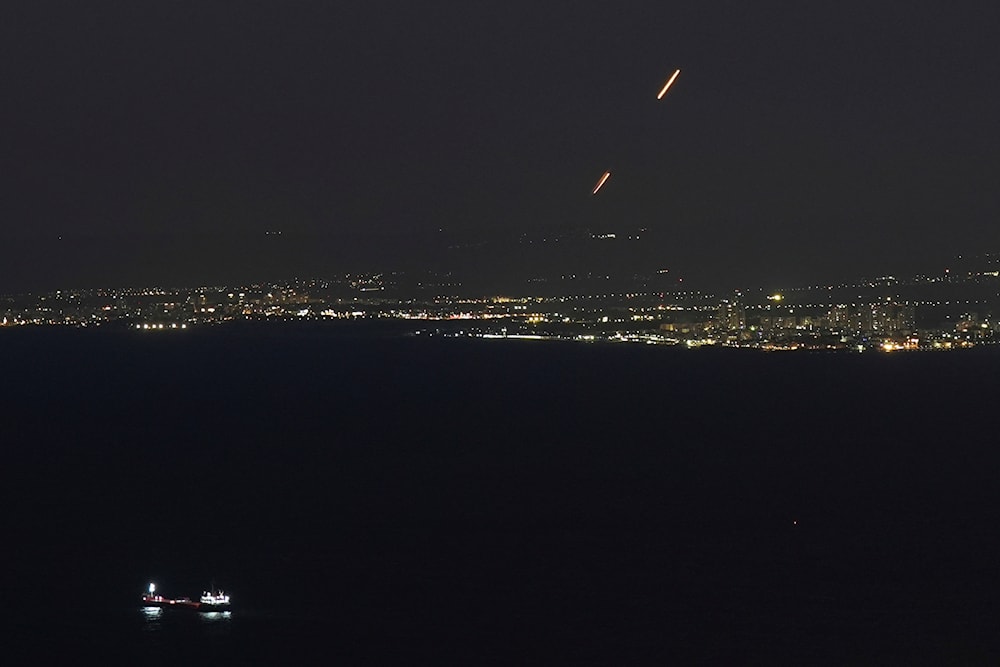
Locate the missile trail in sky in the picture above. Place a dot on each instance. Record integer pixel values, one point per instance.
(667, 85)
(601, 182)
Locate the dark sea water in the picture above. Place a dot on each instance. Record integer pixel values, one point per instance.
(376, 499)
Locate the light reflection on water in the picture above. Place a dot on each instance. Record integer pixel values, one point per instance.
(184, 632)
(156, 618)
(152, 613)
(152, 616)
(215, 616)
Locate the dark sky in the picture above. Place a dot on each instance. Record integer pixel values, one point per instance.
(159, 141)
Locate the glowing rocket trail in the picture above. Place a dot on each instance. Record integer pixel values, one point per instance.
(601, 182)
(667, 85)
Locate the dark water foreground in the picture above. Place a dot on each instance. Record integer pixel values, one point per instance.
(374, 500)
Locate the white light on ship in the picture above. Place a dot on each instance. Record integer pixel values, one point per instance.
(152, 588)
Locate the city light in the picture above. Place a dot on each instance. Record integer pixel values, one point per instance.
(880, 314)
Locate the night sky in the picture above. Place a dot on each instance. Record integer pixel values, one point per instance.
(148, 142)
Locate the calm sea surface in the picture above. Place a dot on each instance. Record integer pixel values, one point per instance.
(376, 499)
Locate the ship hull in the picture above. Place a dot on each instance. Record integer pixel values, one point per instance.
(183, 605)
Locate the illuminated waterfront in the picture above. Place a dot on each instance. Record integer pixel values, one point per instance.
(888, 314)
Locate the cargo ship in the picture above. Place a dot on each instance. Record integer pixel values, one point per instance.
(210, 601)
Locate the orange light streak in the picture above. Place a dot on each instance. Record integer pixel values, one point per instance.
(601, 182)
(667, 85)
